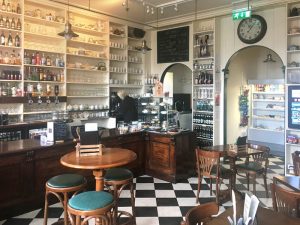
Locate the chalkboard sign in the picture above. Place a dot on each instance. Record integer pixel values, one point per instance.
(173, 45)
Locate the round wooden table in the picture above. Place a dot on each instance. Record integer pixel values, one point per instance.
(111, 157)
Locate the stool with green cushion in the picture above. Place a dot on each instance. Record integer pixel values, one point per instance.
(116, 179)
(60, 186)
(91, 205)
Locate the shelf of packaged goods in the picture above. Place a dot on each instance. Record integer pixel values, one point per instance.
(293, 51)
(117, 48)
(204, 58)
(196, 99)
(79, 69)
(269, 109)
(267, 100)
(41, 50)
(37, 112)
(116, 60)
(88, 110)
(44, 81)
(293, 68)
(24, 99)
(117, 36)
(10, 13)
(210, 45)
(203, 32)
(10, 47)
(86, 83)
(267, 118)
(203, 125)
(43, 66)
(135, 62)
(87, 30)
(203, 85)
(11, 30)
(51, 37)
(125, 86)
(209, 139)
(43, 21)
(103, 96)
(87, 43)
(94, 118)
(293, 18)
(293, 34)
(263, 129)
(86, 56)
(4, 80)
(268, 93)
(10, 65)
(203, 111)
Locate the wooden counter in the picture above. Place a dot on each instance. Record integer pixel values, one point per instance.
(26, 165)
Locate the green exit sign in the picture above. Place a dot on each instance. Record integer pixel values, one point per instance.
(241, 14)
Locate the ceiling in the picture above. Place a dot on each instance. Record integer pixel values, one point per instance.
(137, 12)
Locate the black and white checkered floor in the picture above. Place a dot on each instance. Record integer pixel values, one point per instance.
(159, 202)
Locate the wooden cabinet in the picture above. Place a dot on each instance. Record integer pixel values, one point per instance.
(170, 157)
(134, 142)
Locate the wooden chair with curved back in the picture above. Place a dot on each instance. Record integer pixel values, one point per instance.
(285, 201)
(258, 166)
(296, 162)
(208, 165)
(200, 213)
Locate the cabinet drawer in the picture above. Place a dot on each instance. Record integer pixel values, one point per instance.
(160, 138)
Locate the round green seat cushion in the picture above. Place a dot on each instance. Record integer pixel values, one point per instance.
(117, 174)
(66, 180)
(91, 200)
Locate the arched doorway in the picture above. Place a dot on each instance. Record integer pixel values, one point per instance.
(246, 69)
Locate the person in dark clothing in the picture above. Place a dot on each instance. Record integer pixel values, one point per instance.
(128, 110)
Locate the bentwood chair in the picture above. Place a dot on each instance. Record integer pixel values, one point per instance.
(296, 162)
(257, 166)
(208, 166)
(285, 201)
(201, 214)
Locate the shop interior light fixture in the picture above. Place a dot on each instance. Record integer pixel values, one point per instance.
(68, 33)
(143, 48)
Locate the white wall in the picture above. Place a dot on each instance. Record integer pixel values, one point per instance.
(182, 79)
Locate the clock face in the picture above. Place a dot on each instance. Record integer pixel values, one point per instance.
(252, 30)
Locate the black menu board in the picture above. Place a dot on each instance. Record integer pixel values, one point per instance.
(173, 45)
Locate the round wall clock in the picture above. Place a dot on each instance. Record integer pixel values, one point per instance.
(252, 30)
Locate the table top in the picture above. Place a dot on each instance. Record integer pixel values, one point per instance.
(111, 157)
(264, 217)
(292, 182)
(236, 151)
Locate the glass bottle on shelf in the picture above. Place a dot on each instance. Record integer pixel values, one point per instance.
(7, 24)
(18, 59)
(1, 21)
(33, 59)
(37, 58)
(19, 24)
(8, 7)
(2, 38)
(12, 58)
(9, 40)
(17, 40)
(18, 8)
(1, 58)
(3, 7)
(13, 24)
(6, 58)
(48, 61)
(43, 60)
(27, 59)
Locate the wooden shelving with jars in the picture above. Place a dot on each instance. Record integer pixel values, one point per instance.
(292, 78)
(88, 54)
(203, 82)
(11, 84)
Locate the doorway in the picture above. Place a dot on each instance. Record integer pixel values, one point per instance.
(247, 69)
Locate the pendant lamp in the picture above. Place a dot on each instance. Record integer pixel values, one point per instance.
(68, 33)
(143, 48)
(269, 59)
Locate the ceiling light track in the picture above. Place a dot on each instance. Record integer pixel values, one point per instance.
(102, 13)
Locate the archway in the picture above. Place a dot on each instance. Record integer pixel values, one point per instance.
(244, 70)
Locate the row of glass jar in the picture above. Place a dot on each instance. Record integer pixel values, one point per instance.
(202, 93)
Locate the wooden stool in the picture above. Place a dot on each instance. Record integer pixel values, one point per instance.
(119, 178)
(91, 205)
(61, 186)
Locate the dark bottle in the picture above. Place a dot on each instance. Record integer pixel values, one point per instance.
(2, 38)
(17, 41)
(33, 59)
(18, 8)
(1, 21)
(19, 24)
(37, 59)
(9, 40)
(13, 24)
(3, 8)
(48, 61)
(7, 24)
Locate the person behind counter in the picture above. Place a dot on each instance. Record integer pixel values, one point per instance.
(128, 110)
